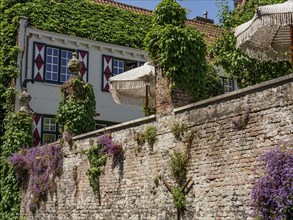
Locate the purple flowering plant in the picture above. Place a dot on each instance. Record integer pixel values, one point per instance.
(273, 192)
(38, 167)
(108, 146)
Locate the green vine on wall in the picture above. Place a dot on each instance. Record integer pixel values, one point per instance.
(178, 49)
(77, 108)
(18, 133)
(178, 165)
(97, 156)
(150, 134)
(97, 162)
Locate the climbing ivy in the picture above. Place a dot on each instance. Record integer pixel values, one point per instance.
(178, 49)
(18, 130)
(97, 156)
(77, 107)
(97, 162)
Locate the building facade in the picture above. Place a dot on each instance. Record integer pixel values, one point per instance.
(44, 60)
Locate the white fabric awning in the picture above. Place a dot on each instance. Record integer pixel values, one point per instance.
(130, 87)
(267, 35)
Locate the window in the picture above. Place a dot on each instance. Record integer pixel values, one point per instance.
(65, 57)
(49, 124)
(56, 64)
(112, 66)
(130, 65)
(228, 85)
(50, 131)
(48, 138)
(118, 66)
(50, 63)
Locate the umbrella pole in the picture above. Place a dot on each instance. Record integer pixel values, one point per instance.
(147, 98)
(291, 42)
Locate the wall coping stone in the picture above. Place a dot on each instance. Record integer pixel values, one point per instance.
(121, 126)
(236, 94)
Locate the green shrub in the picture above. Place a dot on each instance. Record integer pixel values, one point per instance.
(179, 197)
(150, 134)
(140, 138)
(178, 130)
(178, 163)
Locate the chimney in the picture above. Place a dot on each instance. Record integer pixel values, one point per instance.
(205, 14)
(204, 18)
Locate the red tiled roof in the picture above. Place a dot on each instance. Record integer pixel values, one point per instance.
(210, 31)
(125, 6)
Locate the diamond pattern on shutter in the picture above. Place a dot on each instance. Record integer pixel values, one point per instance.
(37, 129)
(83, 57)
(107, 72)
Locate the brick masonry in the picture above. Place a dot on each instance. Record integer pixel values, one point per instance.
(223, 164)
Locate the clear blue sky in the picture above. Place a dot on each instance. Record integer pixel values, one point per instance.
(194, 7)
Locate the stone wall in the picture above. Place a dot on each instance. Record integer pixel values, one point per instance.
(222, 164)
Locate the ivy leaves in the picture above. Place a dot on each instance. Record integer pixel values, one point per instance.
(18, 132)
(77, 108)
(178, 49)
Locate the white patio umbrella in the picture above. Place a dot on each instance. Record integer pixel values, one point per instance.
(269, 34)
(135, 86)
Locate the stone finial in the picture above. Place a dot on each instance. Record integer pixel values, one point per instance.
(74, 65)
(24, 99)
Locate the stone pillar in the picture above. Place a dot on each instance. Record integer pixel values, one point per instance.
(74, 65)
(24, 99)
(164, 104)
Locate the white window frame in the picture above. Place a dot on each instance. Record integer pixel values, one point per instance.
(228, 85)
(56, 64)
(52, 67)
(117, 68)
(64, 61)
(49, 128)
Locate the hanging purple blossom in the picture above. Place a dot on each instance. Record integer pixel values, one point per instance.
(108, 146)
(39, 166)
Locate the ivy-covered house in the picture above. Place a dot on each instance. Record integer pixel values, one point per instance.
(45, 61)
(108, 37)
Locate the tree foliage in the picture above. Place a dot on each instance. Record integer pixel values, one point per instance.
(177, 48)
(246, 70)
(18, 133)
